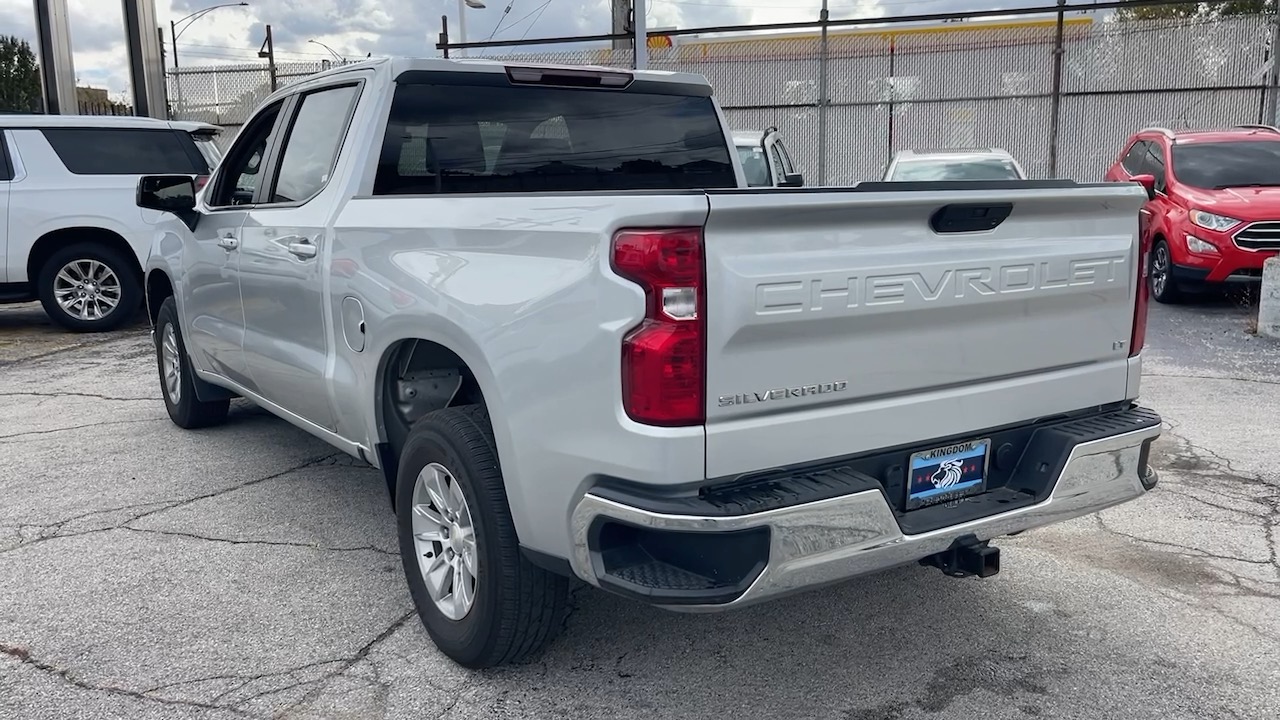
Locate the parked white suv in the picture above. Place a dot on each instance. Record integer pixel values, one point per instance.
(71, 232)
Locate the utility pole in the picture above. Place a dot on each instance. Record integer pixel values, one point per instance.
(164, 75)
(173, 35)
(621, 18)
(1056, 99)
(268, 51)
(825, 17)
(642, 35)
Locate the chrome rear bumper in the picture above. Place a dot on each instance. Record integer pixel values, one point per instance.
(828, 541)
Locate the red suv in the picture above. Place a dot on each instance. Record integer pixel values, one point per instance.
(1215, 214)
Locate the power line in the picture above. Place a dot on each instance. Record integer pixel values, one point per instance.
(535, 20)
(502, 18)
(528, 15)
(250, 50)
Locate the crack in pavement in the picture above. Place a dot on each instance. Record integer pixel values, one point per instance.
(9, 439)
(164, 506)
(273, 543)
(1189, 551)
(34, 359)
(346, 664)
(96, 396)
(246, 678)
(1198, 461)
(24, 657)
(1211, 377)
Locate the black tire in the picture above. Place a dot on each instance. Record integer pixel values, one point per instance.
(1166, 292)
(127, 287)
(518, 607)
(186, 410)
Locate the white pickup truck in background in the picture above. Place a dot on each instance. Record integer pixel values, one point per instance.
(544, 302)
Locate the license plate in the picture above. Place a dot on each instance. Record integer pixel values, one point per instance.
(947, 473)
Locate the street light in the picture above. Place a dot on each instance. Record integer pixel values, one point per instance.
(332, 52)
(175, 33)
(462, 19)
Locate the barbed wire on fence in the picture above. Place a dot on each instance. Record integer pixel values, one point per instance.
(915, 85)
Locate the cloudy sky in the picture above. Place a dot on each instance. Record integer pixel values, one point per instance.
(404, 27)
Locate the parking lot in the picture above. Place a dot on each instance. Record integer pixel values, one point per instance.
(249, 571)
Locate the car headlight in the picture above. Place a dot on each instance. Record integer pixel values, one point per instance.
(1196, 245)
(1209, 221)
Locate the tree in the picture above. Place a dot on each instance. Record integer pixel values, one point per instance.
(19, 76)
(1197, 10)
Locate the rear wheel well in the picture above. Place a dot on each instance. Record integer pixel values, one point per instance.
(418, 377)
(49, 243)
(159, 287)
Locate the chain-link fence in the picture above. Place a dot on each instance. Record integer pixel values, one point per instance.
(1060, 92)
(227, 94)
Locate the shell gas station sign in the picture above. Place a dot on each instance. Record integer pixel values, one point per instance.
(659, 40)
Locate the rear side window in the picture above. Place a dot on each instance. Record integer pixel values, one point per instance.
(208, 148)
(126, 151)
(1154, 164)
(6, 168)
(754, 166)
(487, 139)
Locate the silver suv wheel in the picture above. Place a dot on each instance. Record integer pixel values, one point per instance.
(87, 289)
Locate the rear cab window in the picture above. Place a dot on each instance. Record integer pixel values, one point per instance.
(933, 170)
(486, 134)
(126, 151)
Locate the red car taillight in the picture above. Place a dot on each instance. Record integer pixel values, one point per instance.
(1140, 302)
(664, 357)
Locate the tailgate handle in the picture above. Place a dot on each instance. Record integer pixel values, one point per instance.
(969, 217)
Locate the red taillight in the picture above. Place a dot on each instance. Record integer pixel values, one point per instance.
(1140, 302)
(663, 358)
(201, 181)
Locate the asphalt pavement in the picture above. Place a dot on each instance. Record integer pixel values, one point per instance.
(250, 571)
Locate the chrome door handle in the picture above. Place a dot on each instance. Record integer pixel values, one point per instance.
(303, 249)
(229, 242)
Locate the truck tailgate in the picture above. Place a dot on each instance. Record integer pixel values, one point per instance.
(842, 321)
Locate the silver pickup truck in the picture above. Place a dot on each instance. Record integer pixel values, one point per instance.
(543, 302)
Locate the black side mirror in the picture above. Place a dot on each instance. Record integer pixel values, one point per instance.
(1148, 182)
(792, 180)
(167, 193)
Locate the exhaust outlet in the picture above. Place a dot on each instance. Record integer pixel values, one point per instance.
(966, 557)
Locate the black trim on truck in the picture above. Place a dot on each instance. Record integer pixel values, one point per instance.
(924, 186)
(492, 79)
(674, 567)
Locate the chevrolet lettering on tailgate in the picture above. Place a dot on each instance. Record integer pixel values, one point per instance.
(916, 288)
